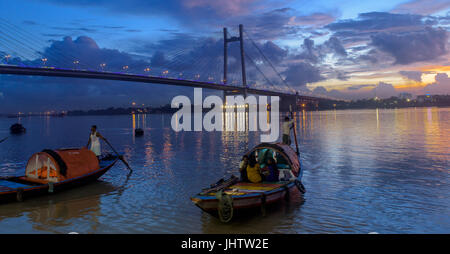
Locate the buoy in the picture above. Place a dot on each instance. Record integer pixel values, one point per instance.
(138, 132)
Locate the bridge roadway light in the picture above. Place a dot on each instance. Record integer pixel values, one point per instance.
(102, 65)
(75, 63)
(44, 60)
(125, 68)
(7, 58)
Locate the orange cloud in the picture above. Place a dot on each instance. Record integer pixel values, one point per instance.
(435, 68)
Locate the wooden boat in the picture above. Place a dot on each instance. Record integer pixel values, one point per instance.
(138, 132)
(54, 171)
(229, 197)
(17, 128)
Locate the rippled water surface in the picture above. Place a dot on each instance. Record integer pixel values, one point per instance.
(365, 170)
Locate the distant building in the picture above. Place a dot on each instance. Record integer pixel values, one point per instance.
(405, 96)
(425, 98)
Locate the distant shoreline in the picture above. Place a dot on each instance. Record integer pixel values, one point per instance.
(164, 113)
(441, 101)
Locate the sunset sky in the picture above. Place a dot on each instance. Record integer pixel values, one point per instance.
(341, 49)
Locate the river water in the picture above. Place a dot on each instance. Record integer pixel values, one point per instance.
(381, 170)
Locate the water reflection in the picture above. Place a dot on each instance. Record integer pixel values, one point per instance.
(277, 219)
(58, 213)
(365, 170)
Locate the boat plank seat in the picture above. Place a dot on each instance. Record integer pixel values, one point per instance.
(265, 186)
(244, 187)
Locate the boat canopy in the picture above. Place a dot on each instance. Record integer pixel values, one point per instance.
(59, 165)
(283, 154)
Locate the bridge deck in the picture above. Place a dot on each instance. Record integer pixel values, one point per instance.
(57, 72)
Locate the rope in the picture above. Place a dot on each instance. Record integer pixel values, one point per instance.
(225, 206)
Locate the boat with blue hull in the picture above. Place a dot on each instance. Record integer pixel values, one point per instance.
(230, 197)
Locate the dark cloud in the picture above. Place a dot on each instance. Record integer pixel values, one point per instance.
(113, 27)
(377, 21)
(284, 23)
(29, 22)
(315, 19)
(273, 51)
(384, 90)
(158, 59)
(320, 90)
(335, 45)
(360, 30)
(411, 47)
(309, 51)
(176, 42)
(423, 7)
(342, 75)
(88, 54)
(72, 29)
(441, 86)
(37, 94)
(316, 54)
(357, 87)
(21, 93)
(300, 74)
(133, 30)
(205, 60)
(187, 12)
(412, 75)
(372, 57)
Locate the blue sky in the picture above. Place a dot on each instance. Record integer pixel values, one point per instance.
(341, 49)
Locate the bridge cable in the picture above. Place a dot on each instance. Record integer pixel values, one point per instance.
(267, 60)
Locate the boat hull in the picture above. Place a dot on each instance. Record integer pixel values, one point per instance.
(25, 190)
(210, 204)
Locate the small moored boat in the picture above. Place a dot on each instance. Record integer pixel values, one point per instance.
(227, 197)
(17, 128)
(139, 132)
(54, 171)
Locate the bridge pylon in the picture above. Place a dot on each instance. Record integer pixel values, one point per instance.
(227, 40)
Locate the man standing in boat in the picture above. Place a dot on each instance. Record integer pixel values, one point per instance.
(288, 124)
(94, 141)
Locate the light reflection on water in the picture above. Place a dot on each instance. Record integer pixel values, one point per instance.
(365, 170)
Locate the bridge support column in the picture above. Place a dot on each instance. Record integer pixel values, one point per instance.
(227, 40)
(225, 55)
(241, 42)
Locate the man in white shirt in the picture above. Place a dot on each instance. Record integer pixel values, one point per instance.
(94, 141)
(287, 126)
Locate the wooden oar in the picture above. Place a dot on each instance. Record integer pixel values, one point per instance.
(4, 139)
(295, 133)
(118, 155)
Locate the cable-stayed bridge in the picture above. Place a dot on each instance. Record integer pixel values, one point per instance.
(218, 65)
